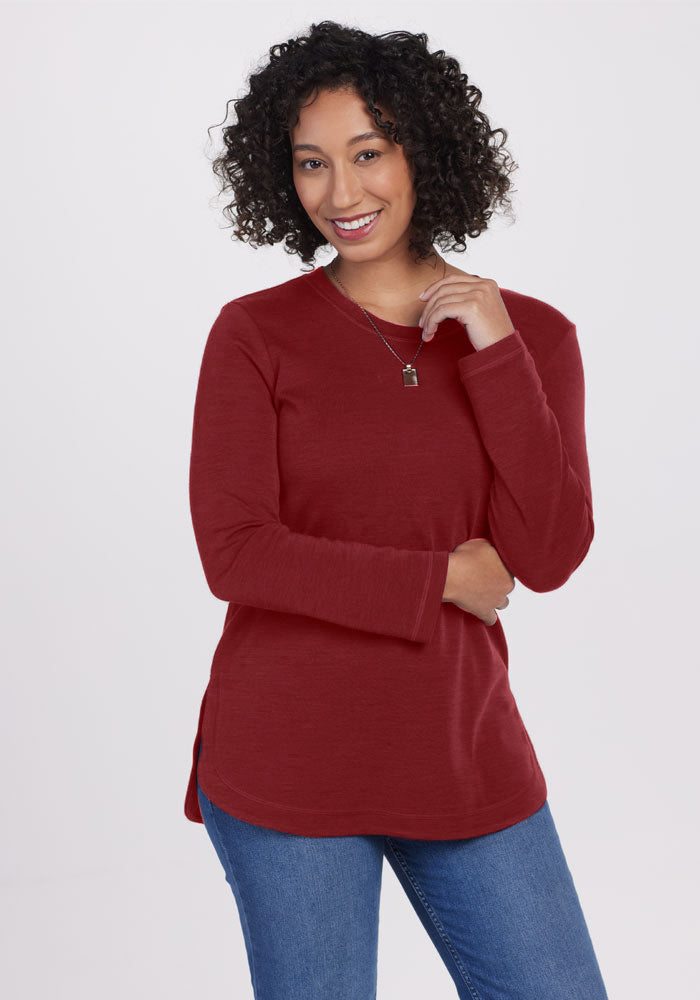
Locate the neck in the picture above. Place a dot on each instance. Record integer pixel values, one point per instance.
(386, 282)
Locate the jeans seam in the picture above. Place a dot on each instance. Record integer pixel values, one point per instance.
(435, 919)
(230, 872)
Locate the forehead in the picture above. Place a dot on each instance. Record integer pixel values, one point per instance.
(335, 112)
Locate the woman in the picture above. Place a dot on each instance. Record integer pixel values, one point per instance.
(365, 536)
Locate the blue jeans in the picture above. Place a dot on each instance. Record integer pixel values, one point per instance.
(501, 909)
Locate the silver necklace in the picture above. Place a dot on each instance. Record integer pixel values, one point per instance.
(410, 375)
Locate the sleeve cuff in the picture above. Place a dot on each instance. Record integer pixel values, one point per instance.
(432, 597)
(503, 349)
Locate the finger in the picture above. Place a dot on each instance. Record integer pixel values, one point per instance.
(455, 294)
(450, 279)
(432, 307)
(438, 311)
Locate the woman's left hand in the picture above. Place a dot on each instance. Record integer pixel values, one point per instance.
(476, 302)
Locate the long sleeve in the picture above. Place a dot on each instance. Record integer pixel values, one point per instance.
(248, 555)
(532, 423)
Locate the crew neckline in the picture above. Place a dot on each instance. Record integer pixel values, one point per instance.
(320, 281)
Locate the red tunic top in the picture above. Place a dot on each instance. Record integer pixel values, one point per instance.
(345, 697)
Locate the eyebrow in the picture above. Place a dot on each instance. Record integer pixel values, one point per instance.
(363, 137)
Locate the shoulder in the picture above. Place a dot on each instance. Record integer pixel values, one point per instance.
(247, 322)
(247, 326)
(272, 302)
(542, 325)
(533, 313)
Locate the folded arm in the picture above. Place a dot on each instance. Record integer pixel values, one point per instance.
(532, 424)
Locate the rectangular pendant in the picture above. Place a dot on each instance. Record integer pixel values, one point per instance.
(410, 376)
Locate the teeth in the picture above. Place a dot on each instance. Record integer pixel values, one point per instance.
(357, 223)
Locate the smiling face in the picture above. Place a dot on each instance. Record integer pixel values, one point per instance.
(340, 171)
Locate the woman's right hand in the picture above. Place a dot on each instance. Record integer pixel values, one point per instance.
(477, 580)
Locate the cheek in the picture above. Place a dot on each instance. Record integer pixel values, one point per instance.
(397, 184)
(306, 193)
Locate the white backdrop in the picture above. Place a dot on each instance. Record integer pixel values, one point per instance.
(116, 261)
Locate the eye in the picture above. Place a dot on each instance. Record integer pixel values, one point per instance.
(373, 152)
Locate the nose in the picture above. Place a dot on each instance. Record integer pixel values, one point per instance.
(344, 190)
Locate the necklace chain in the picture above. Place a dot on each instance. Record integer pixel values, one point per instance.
(408, 367)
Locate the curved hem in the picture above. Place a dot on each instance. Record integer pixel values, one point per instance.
(379, 822)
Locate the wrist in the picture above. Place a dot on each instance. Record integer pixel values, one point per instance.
(447, 594)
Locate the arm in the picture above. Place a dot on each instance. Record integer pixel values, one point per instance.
(248, 555)
(532, 423)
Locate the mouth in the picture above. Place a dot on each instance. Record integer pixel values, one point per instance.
(356, 228)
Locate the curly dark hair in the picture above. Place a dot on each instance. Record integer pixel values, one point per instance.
(458, 174)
